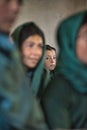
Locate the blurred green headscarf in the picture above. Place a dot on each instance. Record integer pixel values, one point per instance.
(68, 63)
(39, 68)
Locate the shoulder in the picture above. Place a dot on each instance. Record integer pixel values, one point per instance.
(59, 83)
(58, 89)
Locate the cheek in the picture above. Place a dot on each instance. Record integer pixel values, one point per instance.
(55, 61)
(81, 50)
(25, 53)
(47, 63)
(40, 52)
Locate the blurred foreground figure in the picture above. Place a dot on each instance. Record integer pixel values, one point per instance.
(16, 100)
(65, 99)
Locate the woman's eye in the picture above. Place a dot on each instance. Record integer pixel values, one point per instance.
(47, 58)
(54, 57)
(29, 45)
(40, 46)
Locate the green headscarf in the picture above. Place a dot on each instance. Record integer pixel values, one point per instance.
(39, 69)
(68, 63)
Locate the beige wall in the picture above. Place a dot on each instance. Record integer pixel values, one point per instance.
(48, 13)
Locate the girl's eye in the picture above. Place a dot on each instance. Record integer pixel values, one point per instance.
(29, 45)
(40, 46)
(47, 58)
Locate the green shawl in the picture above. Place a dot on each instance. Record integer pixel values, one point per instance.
(68, 63)
(39, 69)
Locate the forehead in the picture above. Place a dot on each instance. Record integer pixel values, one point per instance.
(35, 38)
(50, 52)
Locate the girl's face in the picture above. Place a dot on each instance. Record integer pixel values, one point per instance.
(50, 61)
(32, 49)
(81, 44)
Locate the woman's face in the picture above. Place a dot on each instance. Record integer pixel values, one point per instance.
(81, 44)
(32, 49)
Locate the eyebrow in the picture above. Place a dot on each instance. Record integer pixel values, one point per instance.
(50, 56)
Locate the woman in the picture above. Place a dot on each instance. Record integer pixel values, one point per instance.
(65, 100)
(31, 43)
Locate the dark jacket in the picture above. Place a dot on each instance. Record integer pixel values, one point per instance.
(63, 106)
(45, 78)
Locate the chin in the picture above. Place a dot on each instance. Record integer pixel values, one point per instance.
(31, 66)
(52, 68)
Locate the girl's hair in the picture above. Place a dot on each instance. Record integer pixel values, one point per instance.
(29, 29)
(84, 20)
(48, 47)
